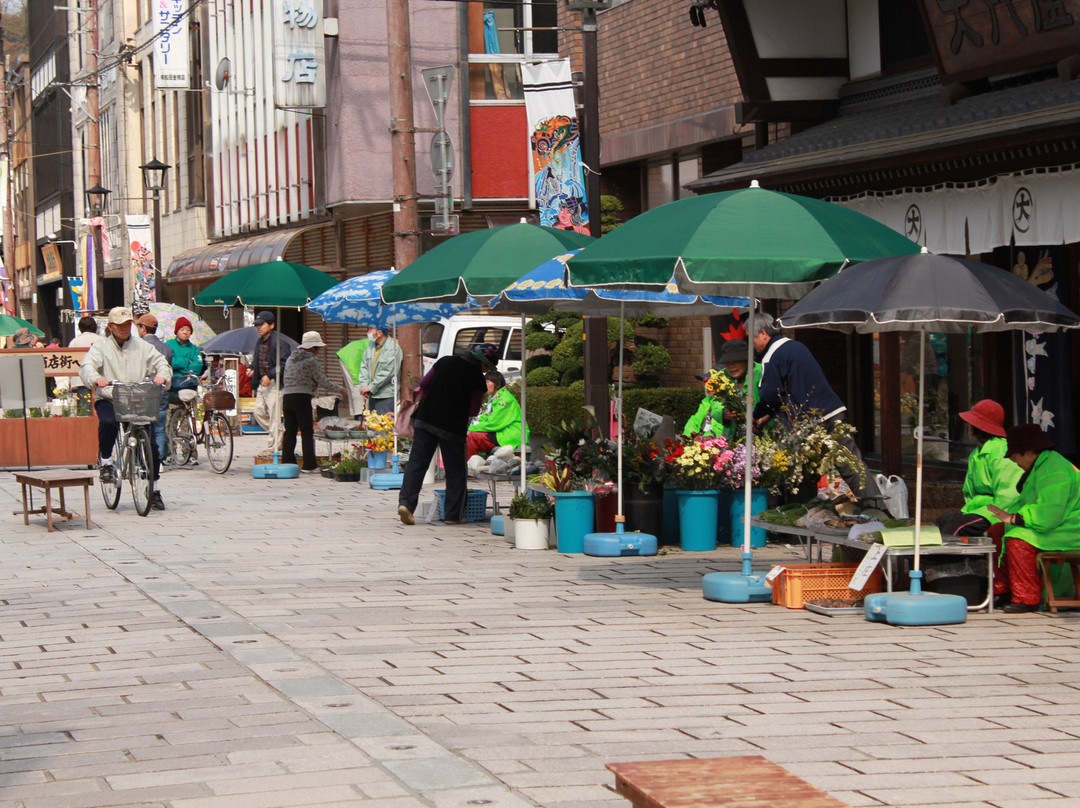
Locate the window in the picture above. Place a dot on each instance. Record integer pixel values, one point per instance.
(513, 32)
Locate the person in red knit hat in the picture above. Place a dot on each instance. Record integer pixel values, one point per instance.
(186, 357)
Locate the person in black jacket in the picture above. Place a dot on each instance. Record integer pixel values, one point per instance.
(452, 392)
(791, 375)
(266, 371)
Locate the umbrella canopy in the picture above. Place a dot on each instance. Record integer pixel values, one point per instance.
(168, 313)
(239, 341)
(547, 287)
(479, 264)
(274, 283)
(926, 292)
(359, 301)
(9, 324)
(781, 244)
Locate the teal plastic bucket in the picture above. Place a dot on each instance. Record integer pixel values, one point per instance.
(698, 511)
(759, 501)
(573, 519)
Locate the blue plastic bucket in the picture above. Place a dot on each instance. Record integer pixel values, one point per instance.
(376, 460)
(759, 501)
(573, 519)
(698, 511)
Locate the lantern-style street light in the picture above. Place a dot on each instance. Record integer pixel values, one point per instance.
(96, 197)
(153, 173)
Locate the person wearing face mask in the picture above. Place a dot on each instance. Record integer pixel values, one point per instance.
(380, 366)
(352, 358)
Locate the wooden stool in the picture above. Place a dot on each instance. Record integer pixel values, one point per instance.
(60, 479)
(746, 782)
(1043, 561)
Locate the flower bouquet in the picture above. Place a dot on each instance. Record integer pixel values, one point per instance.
(727, 391)
(805, 449)
(698, 463)
(381, 431)
(642, 461)
(581, 458)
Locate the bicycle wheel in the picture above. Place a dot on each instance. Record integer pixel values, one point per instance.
(110, 491)
(180, 442)
(141, 471)
(219, 441)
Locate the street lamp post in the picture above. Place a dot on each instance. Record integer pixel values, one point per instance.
(154, 180)
(96, 198)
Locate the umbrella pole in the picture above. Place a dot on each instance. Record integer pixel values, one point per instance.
(919, 452)
(524, 427)
(743, 586)
(620, 518)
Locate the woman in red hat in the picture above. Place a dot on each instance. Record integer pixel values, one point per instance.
(1045, 517)
(991, 477)
(186, 356)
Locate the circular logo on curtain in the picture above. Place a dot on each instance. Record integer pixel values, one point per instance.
(1023, 209)
(913, 223)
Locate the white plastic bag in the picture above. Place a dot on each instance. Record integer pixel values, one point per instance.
(894, 492)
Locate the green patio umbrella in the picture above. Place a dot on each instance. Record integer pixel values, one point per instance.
(9, 324)
(724, 243)
(272, 284)
(479, 264)
(750, 242)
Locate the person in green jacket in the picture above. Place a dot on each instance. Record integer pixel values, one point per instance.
(499, 423)
(715, 415)
(991, 476)
(186, 356)
(1045, 517)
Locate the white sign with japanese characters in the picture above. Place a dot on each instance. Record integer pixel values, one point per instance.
(172, 55)
(299, 54)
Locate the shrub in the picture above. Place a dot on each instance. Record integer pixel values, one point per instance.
(550, 406)
(541, 377)
(542, 341)
(649, 360)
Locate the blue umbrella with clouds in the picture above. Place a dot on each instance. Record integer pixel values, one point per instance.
(358, 301)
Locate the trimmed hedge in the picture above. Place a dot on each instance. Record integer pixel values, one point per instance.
(548, 406)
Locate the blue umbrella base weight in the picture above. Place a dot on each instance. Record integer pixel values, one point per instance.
(736, 587)
(386, 481)
(915, 608)
(620, 544)
(275, 470)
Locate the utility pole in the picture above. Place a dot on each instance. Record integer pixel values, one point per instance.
(596, 341)
(93, 150)
(10, 295)
(403, 159)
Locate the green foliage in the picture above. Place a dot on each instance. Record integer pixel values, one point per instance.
(538, 361)
(549, 406)
(649, 361)
(650, 320)
(568, 358)
(613, 331)
(531, 506)
(578, 387)
(540, 378)
(542, 341)
(609, 206)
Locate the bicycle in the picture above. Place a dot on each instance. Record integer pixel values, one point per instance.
(136, 407)
(184, 431)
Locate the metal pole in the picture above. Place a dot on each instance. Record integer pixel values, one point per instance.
(596, 342)
(403, 160)
(159, 290)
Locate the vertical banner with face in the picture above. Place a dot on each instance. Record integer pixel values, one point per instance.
(142, 257)
(557, 173)
(172, 48)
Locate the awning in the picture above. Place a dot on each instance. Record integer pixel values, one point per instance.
(211, 262)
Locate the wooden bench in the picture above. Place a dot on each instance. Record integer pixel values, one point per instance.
(743, 782)
(59, 479)
(1043, 561)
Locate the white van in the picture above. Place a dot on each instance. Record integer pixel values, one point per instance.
(460, 332)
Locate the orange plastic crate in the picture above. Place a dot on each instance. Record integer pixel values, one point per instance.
(798, 584)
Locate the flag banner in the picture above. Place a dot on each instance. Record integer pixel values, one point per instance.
(142, 257)
(557, 172)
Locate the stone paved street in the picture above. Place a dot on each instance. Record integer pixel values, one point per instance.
(290, 643)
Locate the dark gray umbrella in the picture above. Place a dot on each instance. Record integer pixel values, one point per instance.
(239, 341)
(926, 292)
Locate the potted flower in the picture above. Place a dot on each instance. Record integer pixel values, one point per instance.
(643, 491)
(380, 439)
(348, 468)
(531, 514)
(579, 454)
(697, 467)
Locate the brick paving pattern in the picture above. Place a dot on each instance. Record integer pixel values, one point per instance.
(290, 643)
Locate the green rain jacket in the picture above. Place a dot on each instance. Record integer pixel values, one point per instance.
(709, 418)
(186, 357)
(502, 415)
(1050, 505)
(991, 478)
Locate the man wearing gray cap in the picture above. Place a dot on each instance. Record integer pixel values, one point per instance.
(118, 357)
(266, 372)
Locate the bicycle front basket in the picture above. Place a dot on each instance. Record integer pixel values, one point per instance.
(137, 403)
(219, 400)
